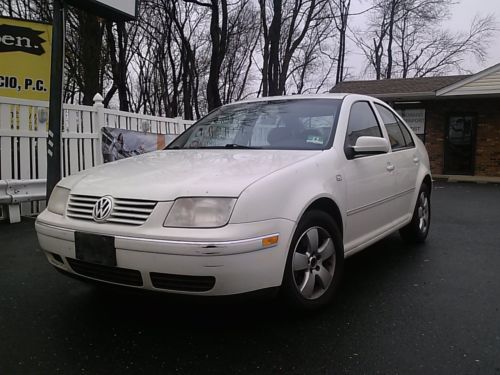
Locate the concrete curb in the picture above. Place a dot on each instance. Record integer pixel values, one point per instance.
(459, 178)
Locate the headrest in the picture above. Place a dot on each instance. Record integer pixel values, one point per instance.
(278, 135)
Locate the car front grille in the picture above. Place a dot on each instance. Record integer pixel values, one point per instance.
(182, 282)
(125, 211)
(105, 273)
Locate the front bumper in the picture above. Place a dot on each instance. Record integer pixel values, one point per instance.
(232, 257)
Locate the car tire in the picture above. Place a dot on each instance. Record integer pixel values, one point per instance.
(418, 228)
(315, 262)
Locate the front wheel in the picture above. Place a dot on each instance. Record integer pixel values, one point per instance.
(315, 262)
(418, 228)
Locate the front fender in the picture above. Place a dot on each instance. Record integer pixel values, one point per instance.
(287, 193)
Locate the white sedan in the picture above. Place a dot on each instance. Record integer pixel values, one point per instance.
(266, 193)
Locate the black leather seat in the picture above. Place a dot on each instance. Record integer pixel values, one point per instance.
(280, 136)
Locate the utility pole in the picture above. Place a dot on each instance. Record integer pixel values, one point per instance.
(55, 106)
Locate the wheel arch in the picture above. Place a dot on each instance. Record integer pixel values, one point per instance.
(428, 181)
(328, 206)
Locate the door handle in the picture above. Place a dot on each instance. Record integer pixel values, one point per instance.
(390, 167)
(416, 159)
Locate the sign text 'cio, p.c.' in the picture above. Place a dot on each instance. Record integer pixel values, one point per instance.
(25, 59)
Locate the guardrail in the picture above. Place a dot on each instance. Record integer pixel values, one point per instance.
(15, 192)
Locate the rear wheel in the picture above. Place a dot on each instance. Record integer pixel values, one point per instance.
(315, 262)
(418, 228)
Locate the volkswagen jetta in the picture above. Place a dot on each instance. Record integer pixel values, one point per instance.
(272, 192)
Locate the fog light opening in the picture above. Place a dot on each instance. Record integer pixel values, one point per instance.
(57, 258)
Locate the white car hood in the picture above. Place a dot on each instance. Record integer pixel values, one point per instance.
(167, 175)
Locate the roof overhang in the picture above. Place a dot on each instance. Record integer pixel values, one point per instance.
(412, 98)
(483, 84)
(491, 84)
(406, 96)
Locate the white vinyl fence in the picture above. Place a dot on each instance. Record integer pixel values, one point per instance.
(23, 138)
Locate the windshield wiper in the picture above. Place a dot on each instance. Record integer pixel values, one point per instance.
(229, 145)
(235, 145)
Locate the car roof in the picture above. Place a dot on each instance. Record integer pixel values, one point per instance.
(290, 97)
(309, 96)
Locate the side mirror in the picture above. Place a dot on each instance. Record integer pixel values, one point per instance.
(370, 146)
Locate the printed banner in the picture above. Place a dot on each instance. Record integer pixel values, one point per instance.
(121, 143)
(25, 49)
(415, 118)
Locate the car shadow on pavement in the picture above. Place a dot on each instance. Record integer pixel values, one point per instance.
(180, 330)
(71, 324)
(363, 272)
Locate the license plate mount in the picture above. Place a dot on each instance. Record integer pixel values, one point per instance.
(95, 248)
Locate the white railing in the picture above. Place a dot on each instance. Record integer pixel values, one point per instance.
(23, 138)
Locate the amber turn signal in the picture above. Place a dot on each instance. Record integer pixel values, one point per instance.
(270, 241)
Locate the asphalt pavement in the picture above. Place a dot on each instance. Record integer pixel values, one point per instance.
(429, 309)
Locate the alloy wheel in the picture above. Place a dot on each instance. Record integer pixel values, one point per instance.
(423, 212)
(313, 262)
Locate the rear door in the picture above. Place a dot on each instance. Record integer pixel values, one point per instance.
(370, 181)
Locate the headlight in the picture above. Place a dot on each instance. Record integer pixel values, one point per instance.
(58, 200)
(200, 212)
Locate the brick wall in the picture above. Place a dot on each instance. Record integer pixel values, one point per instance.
(488, 141)
(487, 156)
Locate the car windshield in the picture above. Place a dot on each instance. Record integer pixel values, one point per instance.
(294, 124)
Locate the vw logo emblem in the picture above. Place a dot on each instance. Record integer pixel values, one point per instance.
(102, 209)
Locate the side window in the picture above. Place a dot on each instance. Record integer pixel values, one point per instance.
(395, 130)
(362, 122)
(406, 134)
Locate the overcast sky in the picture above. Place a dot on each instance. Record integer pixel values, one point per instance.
(462, 15)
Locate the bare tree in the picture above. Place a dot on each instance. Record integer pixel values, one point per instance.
(243, 37)
(90, 42)
(340, 10)
(405, 38)
(285, 25)
(36, 10)
(118, 38)
(166, 65)
(373, 41)
(315, 59)
(440, 51)
(184, 58)
(219, 39)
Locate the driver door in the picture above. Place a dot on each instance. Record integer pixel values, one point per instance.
(370, 182)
